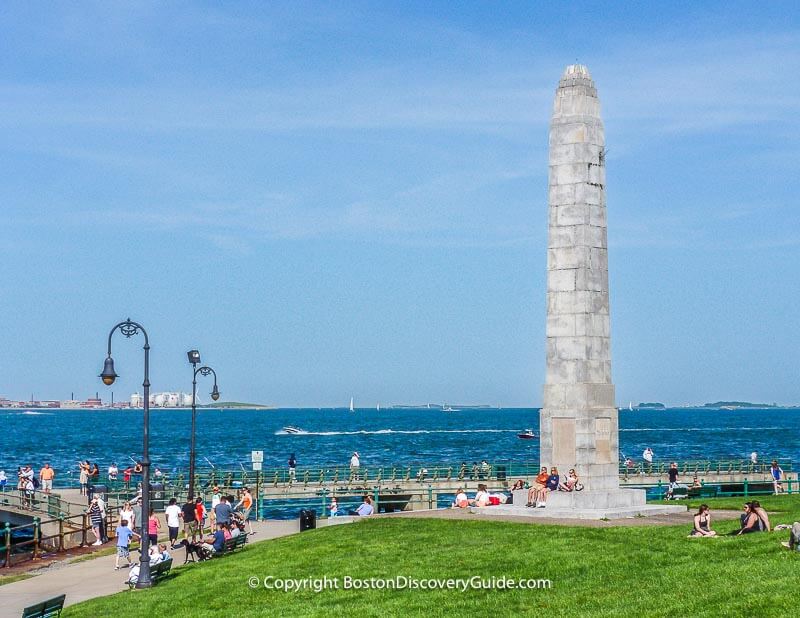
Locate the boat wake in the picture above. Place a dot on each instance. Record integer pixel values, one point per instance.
(392, 431)
(32, 413)
(702, 428)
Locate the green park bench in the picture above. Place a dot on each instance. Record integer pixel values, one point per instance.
(231, 545)
(157, 573)
(51, 607)
(706, 491)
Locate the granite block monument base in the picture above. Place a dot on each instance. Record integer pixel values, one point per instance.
(609, 504)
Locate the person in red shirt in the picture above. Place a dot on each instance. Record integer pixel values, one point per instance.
(200, 513)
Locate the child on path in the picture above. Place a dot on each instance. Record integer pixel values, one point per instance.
(124, 535)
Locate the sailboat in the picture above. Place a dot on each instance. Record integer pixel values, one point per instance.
(378, 407)
(446, 408)
(352, 409)
(630, 406)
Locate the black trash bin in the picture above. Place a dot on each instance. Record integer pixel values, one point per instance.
(157, 501)
(501, 473)
(100, 490)
(308, 519)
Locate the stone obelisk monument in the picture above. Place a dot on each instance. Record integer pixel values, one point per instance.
(579, 420)
(579, 426)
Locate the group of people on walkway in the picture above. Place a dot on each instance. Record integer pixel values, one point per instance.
(225, 515)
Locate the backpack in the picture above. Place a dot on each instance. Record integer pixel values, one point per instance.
(35, 483)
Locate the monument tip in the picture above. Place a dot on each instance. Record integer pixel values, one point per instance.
(576, 70)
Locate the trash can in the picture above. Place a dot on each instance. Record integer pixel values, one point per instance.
(100, 490)
(308, 519)
(501, 472)
(157, 497)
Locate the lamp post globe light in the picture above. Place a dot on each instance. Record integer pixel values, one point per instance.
(194, 359)
(109, 375)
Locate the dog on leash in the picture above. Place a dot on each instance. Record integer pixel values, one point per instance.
(194, 551)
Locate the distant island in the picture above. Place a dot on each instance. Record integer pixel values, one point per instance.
(739, 404)
(651, 406)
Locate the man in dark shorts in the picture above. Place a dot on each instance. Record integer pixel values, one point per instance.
(672, 473)
(189, 516)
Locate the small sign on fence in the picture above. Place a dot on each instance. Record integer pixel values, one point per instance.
(257, 456)
(256, 466)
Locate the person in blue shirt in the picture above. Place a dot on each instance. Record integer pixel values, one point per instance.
(124, 535)
(552, 480)
(366, 508)
(215, 544)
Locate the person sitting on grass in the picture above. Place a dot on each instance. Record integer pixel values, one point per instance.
(461, 501)
(124, 535)
(702, 523)
(794, 536)
(216, 543)
(537, 494)
(749, 521)
(482, 496)
(763, 518)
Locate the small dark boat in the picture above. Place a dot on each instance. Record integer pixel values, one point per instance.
(527, 435)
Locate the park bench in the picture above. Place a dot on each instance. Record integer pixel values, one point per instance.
(706, 491)
(157, 573)
(231, 545)
(46, 609)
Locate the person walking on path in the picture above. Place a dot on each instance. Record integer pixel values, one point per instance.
(173, 514)
(216, 496)
(153, 526)
(126, 513)
(124, 535)
(189, 516)
(647, 455)
(223, 511)
(46, 476)
(355, 464)
(777, 476)
(200, 515)
(247, 505)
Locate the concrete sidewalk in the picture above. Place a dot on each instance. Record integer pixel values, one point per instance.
(97, 577)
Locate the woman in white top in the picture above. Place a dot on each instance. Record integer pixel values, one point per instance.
(216, 496)
(126, 512)
(461, 501)
(482, 497)
(334, 508)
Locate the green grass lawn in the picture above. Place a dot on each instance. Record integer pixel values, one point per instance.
(620, 571)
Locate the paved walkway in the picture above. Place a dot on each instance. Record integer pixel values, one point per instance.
(97, 577)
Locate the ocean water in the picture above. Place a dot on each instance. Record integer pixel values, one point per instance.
(385, 437)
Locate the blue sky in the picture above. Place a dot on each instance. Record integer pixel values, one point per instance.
(351, 200)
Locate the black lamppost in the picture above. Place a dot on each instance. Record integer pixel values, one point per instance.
(129, 329)
(194, 359)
